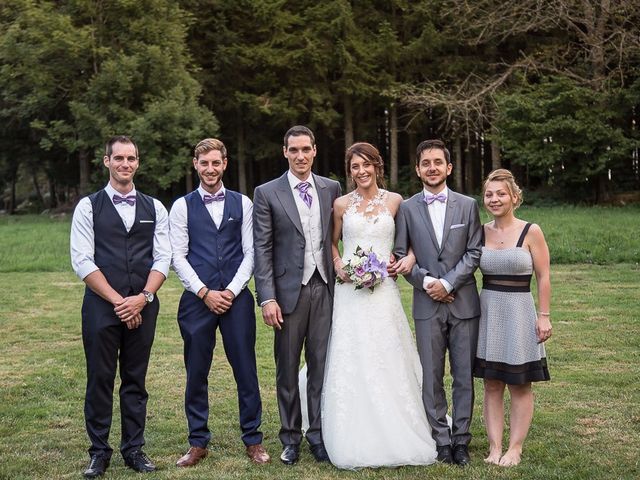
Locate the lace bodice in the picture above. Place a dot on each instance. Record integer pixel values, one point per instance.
(368, 225)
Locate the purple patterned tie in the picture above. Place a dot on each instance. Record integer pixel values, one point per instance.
(303, 188)
(429, 199)
(129, 200)
(218, 197)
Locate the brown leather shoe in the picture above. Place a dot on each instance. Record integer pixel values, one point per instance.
(258, 454)
(192, 457)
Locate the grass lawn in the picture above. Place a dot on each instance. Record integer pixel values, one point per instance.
(586, 423)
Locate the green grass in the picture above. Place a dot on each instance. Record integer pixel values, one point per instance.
(586, 423)
(601, 235)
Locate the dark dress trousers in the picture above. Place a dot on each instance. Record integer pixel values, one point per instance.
(215, 253)
(125, 259)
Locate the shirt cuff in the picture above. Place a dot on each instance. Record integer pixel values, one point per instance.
(85, 269)
(267, 301)
(196, 287)
(427, 280)
(162, 267)
(447, 286)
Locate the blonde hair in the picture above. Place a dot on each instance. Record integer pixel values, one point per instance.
(207, 145)
(504, 175)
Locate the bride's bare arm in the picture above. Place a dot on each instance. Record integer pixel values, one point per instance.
(339, 207)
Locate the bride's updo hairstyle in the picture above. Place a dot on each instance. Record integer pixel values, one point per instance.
(370, 154)
(504, 175)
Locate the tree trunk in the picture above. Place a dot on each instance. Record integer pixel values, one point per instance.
(36, 187)
(393, 154)
(188, 179)
(242, 159)
(457, 165)
(496, 159)
(11, 209)
(83, 159)
(53, 193)
(468, 170)
(413, 145)
(348, 122)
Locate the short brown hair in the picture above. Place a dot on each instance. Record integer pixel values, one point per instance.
(297, 131)
(207, 145)
(108, 149)
(431, 145)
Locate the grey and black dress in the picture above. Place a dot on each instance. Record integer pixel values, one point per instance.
(508, 348)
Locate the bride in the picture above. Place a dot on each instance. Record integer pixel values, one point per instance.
(372, 411)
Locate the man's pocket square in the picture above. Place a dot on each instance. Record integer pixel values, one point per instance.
(457, 225)
(147, 221)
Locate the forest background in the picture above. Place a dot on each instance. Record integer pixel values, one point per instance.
(550, 89)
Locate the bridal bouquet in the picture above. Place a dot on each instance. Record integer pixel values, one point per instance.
(365, 269)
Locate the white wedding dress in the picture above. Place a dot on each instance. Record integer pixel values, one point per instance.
(372, 410)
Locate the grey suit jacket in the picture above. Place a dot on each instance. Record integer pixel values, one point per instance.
(279, 240)
(455, 261)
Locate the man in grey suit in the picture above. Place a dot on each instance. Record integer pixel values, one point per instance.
(292, 226)
(443, 230)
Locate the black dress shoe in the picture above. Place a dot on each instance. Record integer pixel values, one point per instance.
(461, 455)
(290, 454)
(319, 452)
(97, 466)
(138, 461)
(445, 455)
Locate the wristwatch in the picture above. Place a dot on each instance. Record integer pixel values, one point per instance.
(148, 296)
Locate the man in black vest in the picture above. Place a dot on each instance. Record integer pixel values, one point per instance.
(212, 242)
(120, 248)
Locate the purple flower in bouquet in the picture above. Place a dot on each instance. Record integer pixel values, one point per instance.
(365, 269)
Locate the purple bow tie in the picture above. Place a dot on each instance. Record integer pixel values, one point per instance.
(129, 199)
(218, 197)
(429, 199)
(303, 188)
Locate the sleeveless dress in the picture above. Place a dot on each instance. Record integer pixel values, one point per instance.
(372, 410)
(508, 348)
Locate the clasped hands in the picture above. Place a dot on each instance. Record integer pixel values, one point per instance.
(438, 293)
(218, 301)
(128, 310)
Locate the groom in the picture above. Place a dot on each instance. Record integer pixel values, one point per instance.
(443, 229)
(294, 277)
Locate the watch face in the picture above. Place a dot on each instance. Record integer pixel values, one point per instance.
(148, 296)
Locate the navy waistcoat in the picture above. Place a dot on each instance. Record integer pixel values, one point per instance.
(125, 258)
(215, 253)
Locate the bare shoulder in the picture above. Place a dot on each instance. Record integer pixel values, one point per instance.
(340, 204)
(536, 232)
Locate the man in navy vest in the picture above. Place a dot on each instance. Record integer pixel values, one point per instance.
(212, 240)
(120, 248)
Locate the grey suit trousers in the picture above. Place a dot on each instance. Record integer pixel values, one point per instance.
(434, 336)
(311, 319)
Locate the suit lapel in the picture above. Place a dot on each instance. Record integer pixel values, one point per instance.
(448, 216)
(424, 213)
(285, 196)
(324, 200)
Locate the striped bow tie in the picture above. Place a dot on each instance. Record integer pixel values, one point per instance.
(129, 200)
(218, 197)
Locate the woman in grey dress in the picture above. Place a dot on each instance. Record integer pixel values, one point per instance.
(511, 333)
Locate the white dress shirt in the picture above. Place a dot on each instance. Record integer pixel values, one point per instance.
(311, 228)
(82, 243)
(179, 234)
(437, 212)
